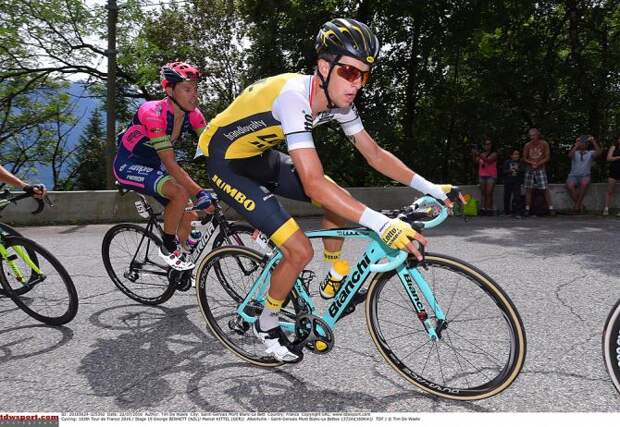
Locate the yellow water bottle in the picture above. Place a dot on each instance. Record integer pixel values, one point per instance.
(331, 284)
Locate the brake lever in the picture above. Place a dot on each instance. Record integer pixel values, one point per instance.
(413, 262)
(40, 206)
(49, 201)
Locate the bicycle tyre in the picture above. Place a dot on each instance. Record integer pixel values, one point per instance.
(7, 229)
(240, 341)
(30, 300)
(125, 276)
(441, 267)
(611, 345)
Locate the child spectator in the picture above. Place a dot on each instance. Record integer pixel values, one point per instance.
(513, 171)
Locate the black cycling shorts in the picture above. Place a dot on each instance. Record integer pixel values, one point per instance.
(248, 185)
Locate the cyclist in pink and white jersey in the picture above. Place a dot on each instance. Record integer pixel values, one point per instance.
(145, 161)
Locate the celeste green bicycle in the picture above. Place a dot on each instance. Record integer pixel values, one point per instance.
(442, 324)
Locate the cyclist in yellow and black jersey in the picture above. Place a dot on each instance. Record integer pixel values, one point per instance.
(246, 172)
(269, 112)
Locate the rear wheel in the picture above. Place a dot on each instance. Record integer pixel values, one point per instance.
(481, 348)
(130, 256)
(223, 279)
(47, 295)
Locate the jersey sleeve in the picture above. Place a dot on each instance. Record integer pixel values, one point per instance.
(155, 127)
(350, 121)
(292, 109)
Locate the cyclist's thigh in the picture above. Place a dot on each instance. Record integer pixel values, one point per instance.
(273, 170)
(251, 200)
(142, 176)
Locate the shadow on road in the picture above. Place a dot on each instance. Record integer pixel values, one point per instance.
(138, 366)
(588, 238)
(24, 341)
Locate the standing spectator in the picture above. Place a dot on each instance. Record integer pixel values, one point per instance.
(613, 158)
(487, 174)
(513, 180)
(582, 156)
(536, 155)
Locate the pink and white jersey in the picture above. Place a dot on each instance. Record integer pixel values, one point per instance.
(151, 128)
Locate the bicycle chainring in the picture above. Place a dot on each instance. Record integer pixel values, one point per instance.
(314, 333)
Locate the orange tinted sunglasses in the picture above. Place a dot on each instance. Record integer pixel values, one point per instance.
(352, 74)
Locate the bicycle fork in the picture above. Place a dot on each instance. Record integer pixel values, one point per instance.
(21, 253)
(410, 277)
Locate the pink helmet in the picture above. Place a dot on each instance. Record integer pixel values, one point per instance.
(176, 72)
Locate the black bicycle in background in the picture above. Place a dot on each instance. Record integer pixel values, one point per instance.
(611, 345)
(130, 252)
(31, 276)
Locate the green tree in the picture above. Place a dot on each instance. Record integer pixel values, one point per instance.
(26, 120)
(87, 165)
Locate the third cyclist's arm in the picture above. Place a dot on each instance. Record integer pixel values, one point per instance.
(9, 178)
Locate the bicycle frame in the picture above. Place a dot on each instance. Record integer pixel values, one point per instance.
(216, 221)
(366, 264)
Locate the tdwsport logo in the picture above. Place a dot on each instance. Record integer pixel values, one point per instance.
(239, 197)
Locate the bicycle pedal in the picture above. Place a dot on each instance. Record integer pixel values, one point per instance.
(184, 285)
(181, 280)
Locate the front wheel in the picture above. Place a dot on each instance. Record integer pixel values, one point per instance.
(130, 256)
(481, 346)
(42, 289)
(10, 231)
(611, 345)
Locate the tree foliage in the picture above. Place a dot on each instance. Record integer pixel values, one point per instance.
(87, 165)
(451, 72)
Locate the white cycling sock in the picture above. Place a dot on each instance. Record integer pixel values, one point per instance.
(268, 320)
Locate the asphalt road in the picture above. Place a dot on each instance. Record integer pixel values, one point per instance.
(562, 273)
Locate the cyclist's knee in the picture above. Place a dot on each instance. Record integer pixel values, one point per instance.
(175, 192)
(298, 250)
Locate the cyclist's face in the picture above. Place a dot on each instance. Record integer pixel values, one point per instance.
(186, 93)
(342, 90)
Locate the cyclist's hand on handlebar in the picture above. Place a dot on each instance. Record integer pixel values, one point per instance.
(204, 201)
(38, 191)
(453, 194)
(447, 189)
(397, 234)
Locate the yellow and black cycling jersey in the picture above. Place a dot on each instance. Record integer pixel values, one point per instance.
(269, 112)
